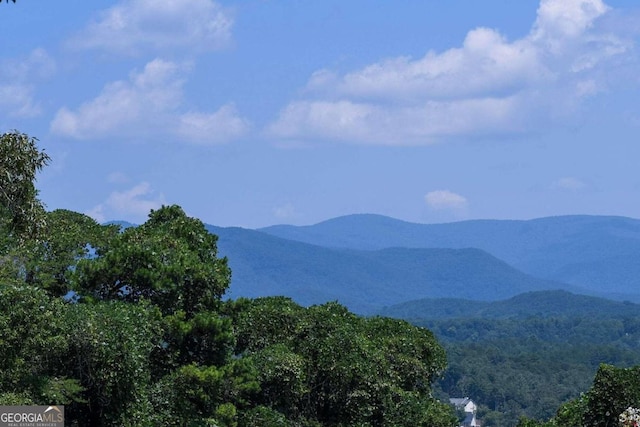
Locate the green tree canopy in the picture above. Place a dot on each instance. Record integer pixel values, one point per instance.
(327, 365)
(67, 238)
(170, 260)
(32, 338)
(21, 212)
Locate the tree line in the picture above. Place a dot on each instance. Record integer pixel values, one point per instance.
(130, 328)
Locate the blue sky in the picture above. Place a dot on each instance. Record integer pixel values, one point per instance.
(259, 112)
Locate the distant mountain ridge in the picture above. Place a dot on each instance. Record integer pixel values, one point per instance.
(598, 253)
(369, 262)
(365, 281)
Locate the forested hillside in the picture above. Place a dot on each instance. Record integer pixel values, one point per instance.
(597, 253)
(528, 355)
(531, 366)
(365, 281)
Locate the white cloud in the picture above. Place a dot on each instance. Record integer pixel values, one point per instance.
(488, 86)
(133, 26)
(569, 183)
(17, 89)
(125, 104)
(38, 64)
(486, 64)
(17, 100)
(131, 205)
(560, 20)
(445, 200)
(369, 123)
(211, 128)
(148, 104)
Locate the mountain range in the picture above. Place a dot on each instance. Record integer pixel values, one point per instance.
(369, 262)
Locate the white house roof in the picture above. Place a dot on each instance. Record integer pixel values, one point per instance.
(459, 401)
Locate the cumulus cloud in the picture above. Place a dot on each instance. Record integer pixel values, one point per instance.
(370, 123)
(149, 103)
(563, 20)
(486, 64)
(489, 85)
(122, 104)
(445, 200)
(131, 205)
(210, 128)
(17, 89)
(134, 26)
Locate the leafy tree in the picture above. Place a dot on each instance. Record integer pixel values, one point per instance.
(203, 395)
(264, 322)
(324, 364)
(109, 354)
(171, 260)
(282, 374)
(67, 238)
(613, 391)
(34, 347)
(171, 263)
(204, 339)
(570, 413)
(22, 215)
(21, 212)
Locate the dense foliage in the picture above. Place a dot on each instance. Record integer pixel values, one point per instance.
(128, 328)
(531, 366)
(612, 400)
(326, 364)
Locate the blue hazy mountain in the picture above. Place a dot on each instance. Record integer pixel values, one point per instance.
(599, 253)
(365, 280)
